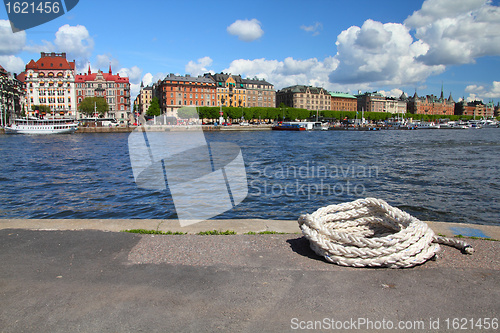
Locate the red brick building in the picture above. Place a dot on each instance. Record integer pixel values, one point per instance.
(177, 91)
(343, 102)
(114, 88)
(475, 108)
(431, 105)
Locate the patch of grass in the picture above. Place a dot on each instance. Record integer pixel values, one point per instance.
(441, 235)
(154, 232)
(217, 232)
(481, 238)
(265, 233)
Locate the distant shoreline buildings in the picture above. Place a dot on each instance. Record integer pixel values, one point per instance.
(52, 81)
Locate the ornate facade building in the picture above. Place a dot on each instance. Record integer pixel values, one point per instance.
(176, 91)
(50, 81)
(431, 104)
(12, 96)
(114, 88)
(304, 97)
(259, 93)
(231, 90)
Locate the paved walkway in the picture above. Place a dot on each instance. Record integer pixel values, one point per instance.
(100, 281)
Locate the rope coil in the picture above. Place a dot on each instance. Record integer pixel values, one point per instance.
(370, 233)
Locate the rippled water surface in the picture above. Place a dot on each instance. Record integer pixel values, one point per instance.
(437, 175)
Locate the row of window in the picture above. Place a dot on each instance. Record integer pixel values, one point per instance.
(102, 85)
(51, 100)
(185, 102)
(50, 74)
(174, 88)
(202, 96)
(51, 92)
(102, 93)
(50, 84)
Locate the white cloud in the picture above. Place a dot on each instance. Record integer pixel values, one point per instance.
(456, 32)
(380, 53)
(134, 74)
(74, 40)
(392, 93)
(287, 72)
(484, 92)
(246, 30)
(314, 29)
(104, 60)
(10, 43)
(199, 67)
(12, 63)
(434, 10)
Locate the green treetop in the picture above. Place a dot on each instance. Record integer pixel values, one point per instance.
(91, 105)
(154, 108)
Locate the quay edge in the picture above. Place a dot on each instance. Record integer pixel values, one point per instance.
(240, 226)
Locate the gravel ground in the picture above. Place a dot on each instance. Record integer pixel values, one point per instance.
(289, 251)
(94, 281)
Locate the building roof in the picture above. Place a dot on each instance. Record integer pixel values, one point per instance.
(3, 72)
(107, 77)
(302, 89)
(256, 81)
(188, 78)
(51, 61)
(341, 95)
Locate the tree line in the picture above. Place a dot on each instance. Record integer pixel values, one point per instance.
(91, 105)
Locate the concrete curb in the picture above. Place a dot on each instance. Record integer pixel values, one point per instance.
(239, 226)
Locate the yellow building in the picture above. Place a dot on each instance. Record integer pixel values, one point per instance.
(231, 90)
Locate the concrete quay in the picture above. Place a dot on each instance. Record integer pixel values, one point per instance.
(78, 276)
(240, 226)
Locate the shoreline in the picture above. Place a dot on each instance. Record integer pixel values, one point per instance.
(212, 128)
(240, 226)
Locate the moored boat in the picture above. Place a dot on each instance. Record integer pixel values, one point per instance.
(283, 126)
(42, 126)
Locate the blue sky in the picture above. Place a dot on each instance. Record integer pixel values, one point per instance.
(385, 45)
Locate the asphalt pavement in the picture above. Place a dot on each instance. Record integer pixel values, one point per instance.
(104, 281)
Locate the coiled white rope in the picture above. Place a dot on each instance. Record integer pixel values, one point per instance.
(370, 233)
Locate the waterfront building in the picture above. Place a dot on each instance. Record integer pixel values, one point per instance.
(304, 97)
(474, 108)
(371, 102)
(431, 105)
(12, 96)
(376, 102)
(50, 81)
(143, 99)
(230, 89)
(343, 102)
(114, 88)
(177, 91)
(259, 93)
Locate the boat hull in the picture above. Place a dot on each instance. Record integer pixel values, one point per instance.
(9, 130)
(42, 126)
(280, 128)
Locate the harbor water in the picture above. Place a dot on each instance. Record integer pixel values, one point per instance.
(435, 175)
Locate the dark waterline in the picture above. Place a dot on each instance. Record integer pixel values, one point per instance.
(436, 175)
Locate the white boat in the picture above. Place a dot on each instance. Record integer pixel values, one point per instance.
(42, 126)
(490, 123)
(426, 125)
